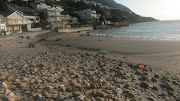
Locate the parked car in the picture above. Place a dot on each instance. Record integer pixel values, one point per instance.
(7, 33)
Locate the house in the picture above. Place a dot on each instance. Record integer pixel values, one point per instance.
(2, 25)
(40, 7)
(33, 20)
(87, 14)
(16, 22)
(92, 3)
(67, 21)
(54, 16)
(27, 12)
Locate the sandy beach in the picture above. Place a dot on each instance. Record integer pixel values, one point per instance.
(76, 67)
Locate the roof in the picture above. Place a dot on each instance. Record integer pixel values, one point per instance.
(8, 13)
(25, 10)
(5, 13)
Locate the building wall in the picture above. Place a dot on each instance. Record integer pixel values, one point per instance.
(3, 27)
(15, 16)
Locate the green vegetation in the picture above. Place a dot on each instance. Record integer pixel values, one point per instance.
(20, 3)
(113, 15)
(43, 21)
(2, 4)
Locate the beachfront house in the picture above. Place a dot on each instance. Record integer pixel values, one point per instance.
(54, 17)
(27, 12)
(2, 26)
(68, 21)
(53, 13)
(16, 22)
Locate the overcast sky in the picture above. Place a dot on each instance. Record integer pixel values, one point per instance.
(159, 9)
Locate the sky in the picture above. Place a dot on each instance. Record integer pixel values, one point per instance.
(158, 9)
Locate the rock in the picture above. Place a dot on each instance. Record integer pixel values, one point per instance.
(175, 82)
(144, 85)
(60, 97)
(94, 85)
(8, 78)
(79, 98)
(99, 99)
(20, 86)
(120, 73)
(127, 86)
(62, 79)
(44, 81)
(144, 78)
(167, 86)
(154, 79)
(87, 84)
(110, 96)
(156, 75)
(165, 79)
(87, 92)
(62, 88)
(68, 100)
(41, 65)
(9, 93)
(47, 96)
(31, 45)
(129, 95)
(25, 79)
(7, 98)
(151, 99)
(100, 93)
(170, 93)
(76, 93)
(155, 88)
(4, 85)
(76, 84)
(39, 96)
(48, 88)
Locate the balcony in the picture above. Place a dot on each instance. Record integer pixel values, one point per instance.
(18, 22)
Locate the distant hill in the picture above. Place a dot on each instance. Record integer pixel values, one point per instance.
(112, 3)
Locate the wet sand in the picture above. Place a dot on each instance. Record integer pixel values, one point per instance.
(164, 55)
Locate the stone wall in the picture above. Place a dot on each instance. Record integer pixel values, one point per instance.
(75, 29)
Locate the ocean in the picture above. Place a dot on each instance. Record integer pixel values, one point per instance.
(156, 30)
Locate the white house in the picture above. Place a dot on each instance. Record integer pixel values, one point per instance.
(2, 26)
(53, 15)
(27, 12)
(33, 19)
(87, 14)
(16, 22)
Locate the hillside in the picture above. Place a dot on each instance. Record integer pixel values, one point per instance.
(113, 4)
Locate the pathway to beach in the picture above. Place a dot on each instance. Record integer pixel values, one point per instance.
(40, 67)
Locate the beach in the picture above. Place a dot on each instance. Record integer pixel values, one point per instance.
(47, 66)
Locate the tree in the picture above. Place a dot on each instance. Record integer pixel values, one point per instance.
(20, 3)
(2, 4)
(43, 20)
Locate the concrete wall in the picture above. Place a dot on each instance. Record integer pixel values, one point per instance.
(75, 29)
(35, 29)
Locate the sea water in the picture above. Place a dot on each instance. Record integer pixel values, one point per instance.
(156, 30)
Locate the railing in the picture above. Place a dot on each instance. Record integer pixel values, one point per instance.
(18, 22)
